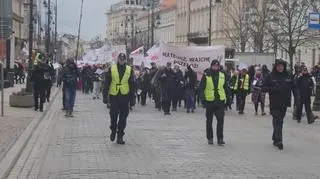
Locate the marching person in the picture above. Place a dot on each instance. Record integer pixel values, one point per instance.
(69, 77)
(168, 85)
(212, 90)
(258, 96)
(119, 85)
(304, 86)
(39, 77)
(190, 79)
(97, 78)
(243, 89)
(279, 85)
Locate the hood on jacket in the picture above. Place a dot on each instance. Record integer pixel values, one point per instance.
(278, 62)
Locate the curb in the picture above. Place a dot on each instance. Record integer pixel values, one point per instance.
(12, 156)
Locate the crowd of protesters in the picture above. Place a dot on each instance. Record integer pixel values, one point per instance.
(169, 88)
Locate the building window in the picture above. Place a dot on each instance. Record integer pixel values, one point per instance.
(127, 2)
(132, 1)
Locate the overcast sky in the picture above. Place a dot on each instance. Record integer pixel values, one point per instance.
(94, 18)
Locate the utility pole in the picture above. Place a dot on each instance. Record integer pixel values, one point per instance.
(189, 19)
(55, 31)
(210, 21)
(30, 64)
(132, 30)
(148, 29)
(152, 22)
(79, 30)
(48, 28)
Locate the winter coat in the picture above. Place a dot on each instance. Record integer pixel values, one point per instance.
(304, 86)
(279, 86)
(257, 94)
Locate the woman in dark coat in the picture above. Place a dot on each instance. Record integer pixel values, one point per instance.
(258, 96)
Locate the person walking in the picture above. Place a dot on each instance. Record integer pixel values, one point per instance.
(190, 79)
(304, 86)
(69, 78)
(243, 89)
(178, 88)
(97, 78)
(279, 84)
(39, 78)
(212, 90)
(168, 84)
(258, 96)
(119, 85)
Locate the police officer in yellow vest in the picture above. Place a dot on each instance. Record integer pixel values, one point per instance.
(212, 91)
(243, 89)
(119, 86)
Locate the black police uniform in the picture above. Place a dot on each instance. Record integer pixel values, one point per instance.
(119, 104)
(39, 84)
(305, 86)
(279, 86)
(216, 107)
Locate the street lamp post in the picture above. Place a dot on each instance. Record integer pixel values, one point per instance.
(48, 28)
(30, 64)
(79, 30)
(210, 21)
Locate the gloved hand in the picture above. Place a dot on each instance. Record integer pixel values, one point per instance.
(105, 100)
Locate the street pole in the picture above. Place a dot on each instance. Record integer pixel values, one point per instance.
(48, 28)
(79, 30)
(2, 55)
(2, 88)
(55, 31)
(152, 22)
(30, 64)
(189, 19)
(148, 29)
(210, 21)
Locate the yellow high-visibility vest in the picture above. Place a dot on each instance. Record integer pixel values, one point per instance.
(235, 85)
(116, 85)
(246, 82)
(210, 88)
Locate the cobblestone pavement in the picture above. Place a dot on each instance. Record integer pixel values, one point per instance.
(164, 147)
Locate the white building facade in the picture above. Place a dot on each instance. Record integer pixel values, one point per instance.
(121, 21)
(165, 25)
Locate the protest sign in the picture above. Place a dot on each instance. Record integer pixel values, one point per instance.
(198, 57)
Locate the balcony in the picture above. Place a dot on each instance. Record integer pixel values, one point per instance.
(198, 37)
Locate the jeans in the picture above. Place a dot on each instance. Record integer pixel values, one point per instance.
(97, 89)
(190, 99)
(70, 97)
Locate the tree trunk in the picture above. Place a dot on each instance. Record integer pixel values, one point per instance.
(291, 54)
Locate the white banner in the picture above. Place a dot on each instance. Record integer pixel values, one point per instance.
(198, 57)
(103, 55)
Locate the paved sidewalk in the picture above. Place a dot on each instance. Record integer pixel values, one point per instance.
(164, 147)
(14, 122)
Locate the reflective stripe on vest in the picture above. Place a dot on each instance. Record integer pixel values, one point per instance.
(209, 90)
(116, 85)
(235, 85)
(246, 82)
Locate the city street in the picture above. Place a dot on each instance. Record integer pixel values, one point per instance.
(159, 146)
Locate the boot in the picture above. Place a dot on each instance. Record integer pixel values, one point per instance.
(221, 142)
(120, 139)
(210, 141)
(70, 113)
(67, 113)
(113, 135)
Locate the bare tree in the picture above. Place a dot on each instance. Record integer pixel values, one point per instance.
(236, 27)
(259, 21)
(289, 25)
